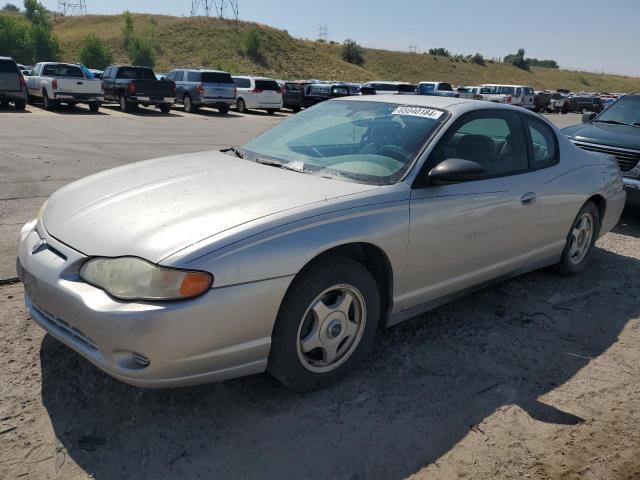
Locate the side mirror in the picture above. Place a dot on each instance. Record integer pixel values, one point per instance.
(456, 170)
(588, 116)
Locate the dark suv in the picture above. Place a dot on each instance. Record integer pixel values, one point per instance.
(12, 85)
(197, 88)
(293, 96)
(319, 92)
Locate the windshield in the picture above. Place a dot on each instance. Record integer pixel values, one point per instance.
(368, 142)
(625, 110)
(427, 88)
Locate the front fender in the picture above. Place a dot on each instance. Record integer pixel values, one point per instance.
(285, 250)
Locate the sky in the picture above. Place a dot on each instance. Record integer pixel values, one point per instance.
(590, 35)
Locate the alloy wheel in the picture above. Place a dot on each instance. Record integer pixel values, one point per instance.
(580, 238)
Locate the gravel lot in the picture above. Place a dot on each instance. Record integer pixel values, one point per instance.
(537, 377)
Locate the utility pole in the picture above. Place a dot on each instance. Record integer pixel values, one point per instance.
(322, 33)
(413, 48)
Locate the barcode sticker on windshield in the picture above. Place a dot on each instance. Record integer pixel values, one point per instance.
(418, 112)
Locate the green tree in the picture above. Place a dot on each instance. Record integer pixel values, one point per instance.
(517, 60)
(141, 52)
(15, 39)
(37, 15)
(10, 7)
(94, 53)
(127, 28)
(352, 52)
(253, 44)
(478, 59)
(439, 52)
(44, 43)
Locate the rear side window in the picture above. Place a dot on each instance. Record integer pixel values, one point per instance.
(294, 87)
(8, 66)
(194, 77)
(267, 85)
(216, 77)
(242, 82)
(446, 87)
(544, 146)
(407, 88)
(62, 71)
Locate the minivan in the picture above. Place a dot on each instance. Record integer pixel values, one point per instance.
(258, 93)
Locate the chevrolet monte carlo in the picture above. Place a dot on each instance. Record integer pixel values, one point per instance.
(289, 253)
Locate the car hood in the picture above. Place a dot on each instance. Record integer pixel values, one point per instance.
(155, 208)
(621, 136)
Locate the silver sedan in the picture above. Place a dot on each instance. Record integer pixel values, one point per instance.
(289, 253)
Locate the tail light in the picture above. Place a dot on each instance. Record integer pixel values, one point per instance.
(131, 88)
(509, 99)
(22, 82)
(257, 90)
(54, 84)
(282, 90)
(200, 88)
(235, 91)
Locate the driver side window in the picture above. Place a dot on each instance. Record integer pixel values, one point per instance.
(494, 139)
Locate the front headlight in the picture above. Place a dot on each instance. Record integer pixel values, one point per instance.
(132, 278)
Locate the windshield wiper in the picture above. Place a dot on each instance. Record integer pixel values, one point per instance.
(613, 122)
(236, 151)
(295, 166)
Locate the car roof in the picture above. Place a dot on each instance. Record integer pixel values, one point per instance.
(428, 101)
(503, 85)
(7, 58)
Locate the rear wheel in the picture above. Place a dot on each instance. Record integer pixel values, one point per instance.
(94, 107)
(223, 109)
(20, 104)
(4, 103)
(271, 111)
(241, 106)
(580, 240)
(165, 108)
(326, 324)
(48, 103)
(125, 106)
(295, 109)
(189, 107)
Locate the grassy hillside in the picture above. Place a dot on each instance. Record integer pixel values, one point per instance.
(199, 41)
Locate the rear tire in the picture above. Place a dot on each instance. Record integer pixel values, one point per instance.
(20, 104)
(241, 106)
(223, 109)
(326, 324)
(295, 109)
(4, 103)
(48, 103)
(94, 107)
(271, 111)
(164, 108)
(582, 236)
(189, 107)
(125, 105)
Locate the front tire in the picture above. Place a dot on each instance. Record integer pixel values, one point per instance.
(580, 240)
(326, 324)
(223, 109)
(165, 108)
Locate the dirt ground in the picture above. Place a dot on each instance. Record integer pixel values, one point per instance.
(538, 377)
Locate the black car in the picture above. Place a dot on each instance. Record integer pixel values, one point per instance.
(580, 103)
(293, 97)
(615, 131)
(318, 92)
(132, 86)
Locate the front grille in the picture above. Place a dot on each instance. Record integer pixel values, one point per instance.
(66, 329)
(627, 159)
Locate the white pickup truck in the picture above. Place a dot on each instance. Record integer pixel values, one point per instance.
(68, 83)
(520, 95)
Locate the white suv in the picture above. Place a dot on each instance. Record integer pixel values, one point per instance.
(514, 94)
(259, 93)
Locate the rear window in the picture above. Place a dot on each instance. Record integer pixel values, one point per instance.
(385, 87)
(8, 66)
(216, 77)
(446, 87)
(267, 85)
(341, 91)
(295, 87)
(406, 88)
(62, 71)
(242, 82)
(136, 73)
(320, 89)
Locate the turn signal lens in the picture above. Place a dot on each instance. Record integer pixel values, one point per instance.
(194, 283)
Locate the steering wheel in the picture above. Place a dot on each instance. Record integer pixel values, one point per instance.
(394, 151)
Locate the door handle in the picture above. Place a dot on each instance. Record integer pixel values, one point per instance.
(528, 198)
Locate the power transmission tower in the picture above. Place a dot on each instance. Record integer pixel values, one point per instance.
(322, 32)
(77, 7)
(201, 5)
(235, 9)
(413, 48)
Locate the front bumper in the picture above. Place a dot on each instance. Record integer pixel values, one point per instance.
(223, 334)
